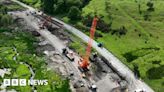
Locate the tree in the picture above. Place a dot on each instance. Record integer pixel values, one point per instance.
(61, 6)
(77, 3)
(85, 2)
(48, 5)
(74, 13)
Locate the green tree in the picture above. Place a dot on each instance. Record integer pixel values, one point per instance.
(61, 6)
(74, 13)
(77, 3)
(85, 2)
(47, 6)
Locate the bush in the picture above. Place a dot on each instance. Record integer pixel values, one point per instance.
(5, 20)
(101, 25)
(82, 27)
(121, 31)
(156, 72)
(74, 13)
(66, 19)
(98, 34)
(150, 6)
(3, 9)
(104, 27)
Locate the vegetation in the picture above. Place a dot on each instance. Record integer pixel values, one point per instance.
(78, 45)
(5, 20)
(74, 13)
(140, 43)
(9, 6)
(35, 3)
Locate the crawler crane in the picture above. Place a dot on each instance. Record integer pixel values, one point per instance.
(84, 63)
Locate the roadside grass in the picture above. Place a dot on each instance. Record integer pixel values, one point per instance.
(78, 45)
(34, 3)
(14, 6)
(11, 6)
(159, 84)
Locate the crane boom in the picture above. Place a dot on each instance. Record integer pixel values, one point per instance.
(84, 64)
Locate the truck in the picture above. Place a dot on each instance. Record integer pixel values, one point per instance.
(68, 53)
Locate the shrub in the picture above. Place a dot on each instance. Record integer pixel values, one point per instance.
(156, 72)
(74, 13)
(66, 19)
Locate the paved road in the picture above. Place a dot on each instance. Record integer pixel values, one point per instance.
(123, 70)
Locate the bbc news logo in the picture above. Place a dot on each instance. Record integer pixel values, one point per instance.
(24, 82)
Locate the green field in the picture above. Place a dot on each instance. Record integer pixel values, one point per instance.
(146, 50)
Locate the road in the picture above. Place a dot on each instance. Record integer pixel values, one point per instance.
(121, 69)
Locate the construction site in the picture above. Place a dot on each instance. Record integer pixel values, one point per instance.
(54, 44)
(97, 70)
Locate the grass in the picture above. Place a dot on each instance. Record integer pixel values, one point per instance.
(78, 45)
(12, 6)
(22, 74)
(125, 13)
(34, 3)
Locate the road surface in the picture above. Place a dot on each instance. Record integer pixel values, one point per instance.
(122, 69)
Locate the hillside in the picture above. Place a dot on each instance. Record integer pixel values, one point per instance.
(142, 45)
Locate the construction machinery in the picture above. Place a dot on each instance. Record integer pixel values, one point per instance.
(100, 45)
(93, 57)
(68, 53)
(84, 63)
(46, 23)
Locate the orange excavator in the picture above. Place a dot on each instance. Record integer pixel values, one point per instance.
(84, 63)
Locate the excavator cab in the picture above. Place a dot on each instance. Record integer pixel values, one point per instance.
(83, 65)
